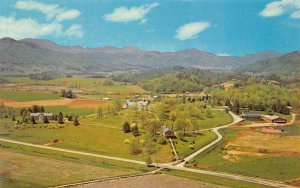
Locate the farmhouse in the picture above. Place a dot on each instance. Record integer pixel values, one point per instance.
(274, 119)
(251, 116)
(41, 116)
(166, 132)
(140, 104)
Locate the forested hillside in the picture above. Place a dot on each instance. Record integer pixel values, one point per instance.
(260, 97)
(287, 64)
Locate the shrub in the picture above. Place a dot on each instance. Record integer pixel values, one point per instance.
(162, 141)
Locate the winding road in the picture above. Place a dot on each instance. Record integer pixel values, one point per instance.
(179, 166)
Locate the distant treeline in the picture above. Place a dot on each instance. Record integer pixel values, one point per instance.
(43, 76)
(180, 79)
(262, 97)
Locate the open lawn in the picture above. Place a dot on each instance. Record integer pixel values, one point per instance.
(183, 147)
(69, 110)
(220, 117)
(27, 96)
(23, 170)
(115, 121)
(252, 153)
(91, 139)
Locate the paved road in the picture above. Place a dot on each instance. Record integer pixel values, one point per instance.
(171, 166)
(236, 119)
(72, 151)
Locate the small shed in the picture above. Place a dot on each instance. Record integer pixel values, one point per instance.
(166, 132)
(274, 119)
(252, 116)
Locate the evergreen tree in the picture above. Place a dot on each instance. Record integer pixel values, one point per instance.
(236, 107)
(76, 122)
(126, 127)
(135, 131)
(60, 119)
(63, 93)
(33, 120)
(46, 120)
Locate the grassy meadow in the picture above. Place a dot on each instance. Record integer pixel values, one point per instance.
(274, 166)
(47, 171)
(22, 96)
(90, 86)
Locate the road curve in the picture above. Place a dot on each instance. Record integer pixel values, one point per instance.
(236, 119)
(72, 151)
(170, 166)
(180, 166)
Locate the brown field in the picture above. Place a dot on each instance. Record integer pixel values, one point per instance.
(228, 85)
(77, 103)
(87, 103)
(150, 181)
(250, 141)
(57, 102)
(5, 101)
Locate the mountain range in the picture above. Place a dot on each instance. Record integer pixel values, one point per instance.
(29, 56)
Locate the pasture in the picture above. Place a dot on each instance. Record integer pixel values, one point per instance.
(22, 96)
(220, 117)
(93, 139)
(195, 141)
(252, 153)
(88, 86)
(19, 169)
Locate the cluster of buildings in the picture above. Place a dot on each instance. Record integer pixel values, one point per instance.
(254, 116)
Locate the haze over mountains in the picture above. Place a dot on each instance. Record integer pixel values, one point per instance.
(35, 55)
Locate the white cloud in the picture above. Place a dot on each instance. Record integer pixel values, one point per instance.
(52, 11)
(123, 14)
(223, 54)
(67, 15)
(191, 30)
(74, 30)
(29, 27)
(277, 8)
(26, 27)
(295, 14)
(49, 9)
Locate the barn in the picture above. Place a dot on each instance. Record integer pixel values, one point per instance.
(166, 132)
(251, 116)
(274, 119)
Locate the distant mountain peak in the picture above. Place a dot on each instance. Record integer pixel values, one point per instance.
(8, 40)
(37, 54)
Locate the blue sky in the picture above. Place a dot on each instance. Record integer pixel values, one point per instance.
(234, 27)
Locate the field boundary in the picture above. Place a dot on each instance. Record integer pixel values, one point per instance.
(108, 179)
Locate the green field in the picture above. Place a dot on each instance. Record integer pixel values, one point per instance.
(220, 117)
(115, 121)
(27, 96)
(214, 180)
(182, 147)
(47, 171)
(92, 139)
(92, 86)
(283, 168)
(69, 110)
